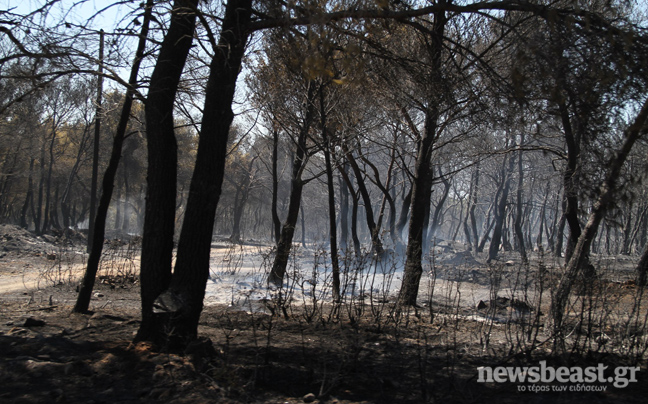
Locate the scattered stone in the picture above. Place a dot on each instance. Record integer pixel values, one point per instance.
(32, 322)
(309, 398)
(98, 294)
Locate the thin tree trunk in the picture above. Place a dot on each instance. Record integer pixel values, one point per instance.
(422, 184)
(376, 243)
(344, 212)
(127, 210)
(627, 230)
(28, 197)
(275, 186)
(95, 154)
(642, 268)
(335, 264)
(437, 216)
(580, 255)
(489, 222)
(41, 185)
(85, 292)
(473, 206)
(297, 184)
(570, 181)
(65, 199)
(240, 201)
(402, 218)
(518, 211)
(543, 211)
(500, 212)
(48, 182)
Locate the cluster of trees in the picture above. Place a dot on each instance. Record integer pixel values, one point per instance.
(373, 125)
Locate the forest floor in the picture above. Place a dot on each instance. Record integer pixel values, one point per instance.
(350, 353)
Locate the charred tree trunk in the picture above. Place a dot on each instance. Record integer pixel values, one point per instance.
(579, 258)
(354, 210)
(48, 182)
(500, 212)
(240, 200)
(543, 212)
(344, 212)
(422, 185)
(127, 210)
(466, 228)
(642, 269)
(335, 264)
(276, 223)
(570, 181)
(437, 216)
(473, 206)
(28, 197)
(518, 211)
(95, 153)
(402, 218)
(159, 211)
(284, 246)
(183, 300)
(489, 222)
(41, 185)
(85, 292)
(65, 199)
(376, 243)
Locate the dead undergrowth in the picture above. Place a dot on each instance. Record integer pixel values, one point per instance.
(362, 350)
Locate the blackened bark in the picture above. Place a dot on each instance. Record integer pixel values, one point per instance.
(85, 292)
(41, 184)
(65, 199)
(642, 269)
(354, 210)
(95, 149)
(185, 295)
(608, 188)
(275, 186)
(376, 243)
(500, 211)
(29, 197)
(404, 214)
(344, 212)
(240, 200)
(335, 264)
(543, 219)
(284, 246)
(436, 216)
(473, 206)
(387, 197)
(627, 230)
(126, 218)
(570, 180)
(422, 184)
(518, 211)
(48, 183)
(159, 212)
(489, 222)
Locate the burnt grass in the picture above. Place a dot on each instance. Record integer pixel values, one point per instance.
(355, 352)
(49, 355)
